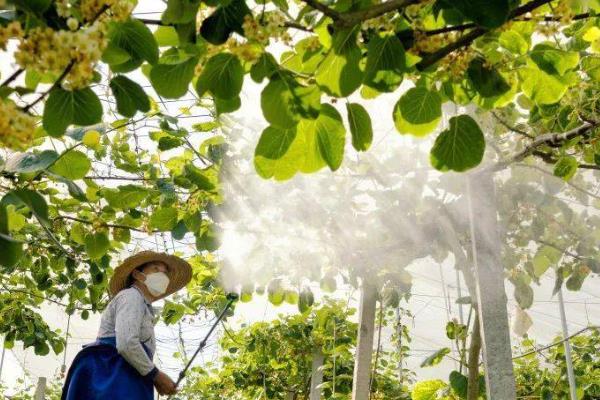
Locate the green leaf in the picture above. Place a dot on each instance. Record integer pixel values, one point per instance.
(263, 68)
(360, 126)
(206, 238)
(180, 11)
(306, 300)
(166, 36)
(487, 81)
(435, 358)
(172, 80)
(386, 63)
(459, 384)
(460, 147)
(331, 136)
(552, 60)
(136, 38)
(125, 197)
(523, 294)
(72, 164)
(486, 13)
(164, 219)
(115, 55)
(172, 312)
(129, 95)
(30, 162)
(222, 75)
(96, 244)
(11, 250)
(418, 111)
(339, 74)
(284, 101)
(542, 87)
(63, 108)
(224, 106)
(566, 167)
(225, 20)
(427, 390)
(273, 144)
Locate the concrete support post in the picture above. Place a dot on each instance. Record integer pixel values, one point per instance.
(316, 378)
(491, 294)
(567, 344)
(40, 390)
(364, 347)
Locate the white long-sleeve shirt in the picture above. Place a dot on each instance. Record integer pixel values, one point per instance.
(130, 319)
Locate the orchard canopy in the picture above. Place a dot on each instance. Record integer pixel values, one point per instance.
(79, 77)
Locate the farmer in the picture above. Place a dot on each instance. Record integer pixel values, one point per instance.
(118, 366)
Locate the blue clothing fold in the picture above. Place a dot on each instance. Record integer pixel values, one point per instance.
(99, 372)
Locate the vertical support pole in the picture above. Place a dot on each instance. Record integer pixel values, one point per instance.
(399, 333)
(364, 346)
(491, 294)
(316, 378)
(567, 344)
(2, 360)
(40, 390)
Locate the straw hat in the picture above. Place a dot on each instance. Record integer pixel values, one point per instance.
(179, 271)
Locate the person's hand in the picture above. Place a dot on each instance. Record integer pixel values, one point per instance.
(163, 384)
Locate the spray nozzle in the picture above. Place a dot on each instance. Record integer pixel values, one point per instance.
(232, 296)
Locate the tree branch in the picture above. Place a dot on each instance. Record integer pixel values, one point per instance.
(511, 128)
(350, 19)
(11, 78)
(546, 139)
(330, 12)
(469, 37)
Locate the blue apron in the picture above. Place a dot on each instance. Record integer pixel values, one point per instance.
(99, 372)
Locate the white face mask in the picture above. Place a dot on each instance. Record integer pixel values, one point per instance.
(157, 283)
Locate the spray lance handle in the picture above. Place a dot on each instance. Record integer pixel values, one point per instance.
(231, 298)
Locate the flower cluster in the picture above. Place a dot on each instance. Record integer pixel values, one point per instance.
(269, 26)
(10, 31)
(120, 9)
(48, 51)
(16, 127)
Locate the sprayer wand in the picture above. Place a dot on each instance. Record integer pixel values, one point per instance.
(231, 298)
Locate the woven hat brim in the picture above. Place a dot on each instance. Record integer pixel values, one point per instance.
(179, 271)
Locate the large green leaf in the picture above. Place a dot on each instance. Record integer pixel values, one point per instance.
(566, 167)
(164, 218)
(135, 37)
(544, 88)
(486, 80)
(180, 11)
(225, 20)
(386, 63)
(172, 80)
(459, 384)
(339, 74)
(129, 95)
(427, 390)
(272, 157)
(360, 126)
(97, 244)
(11, 250)
(418, 111)
(331, 136)
(222, 75)
(284, 101)
(460, 147)
(64, 107)
(125, 196)
(72, 165)
(552, 60)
